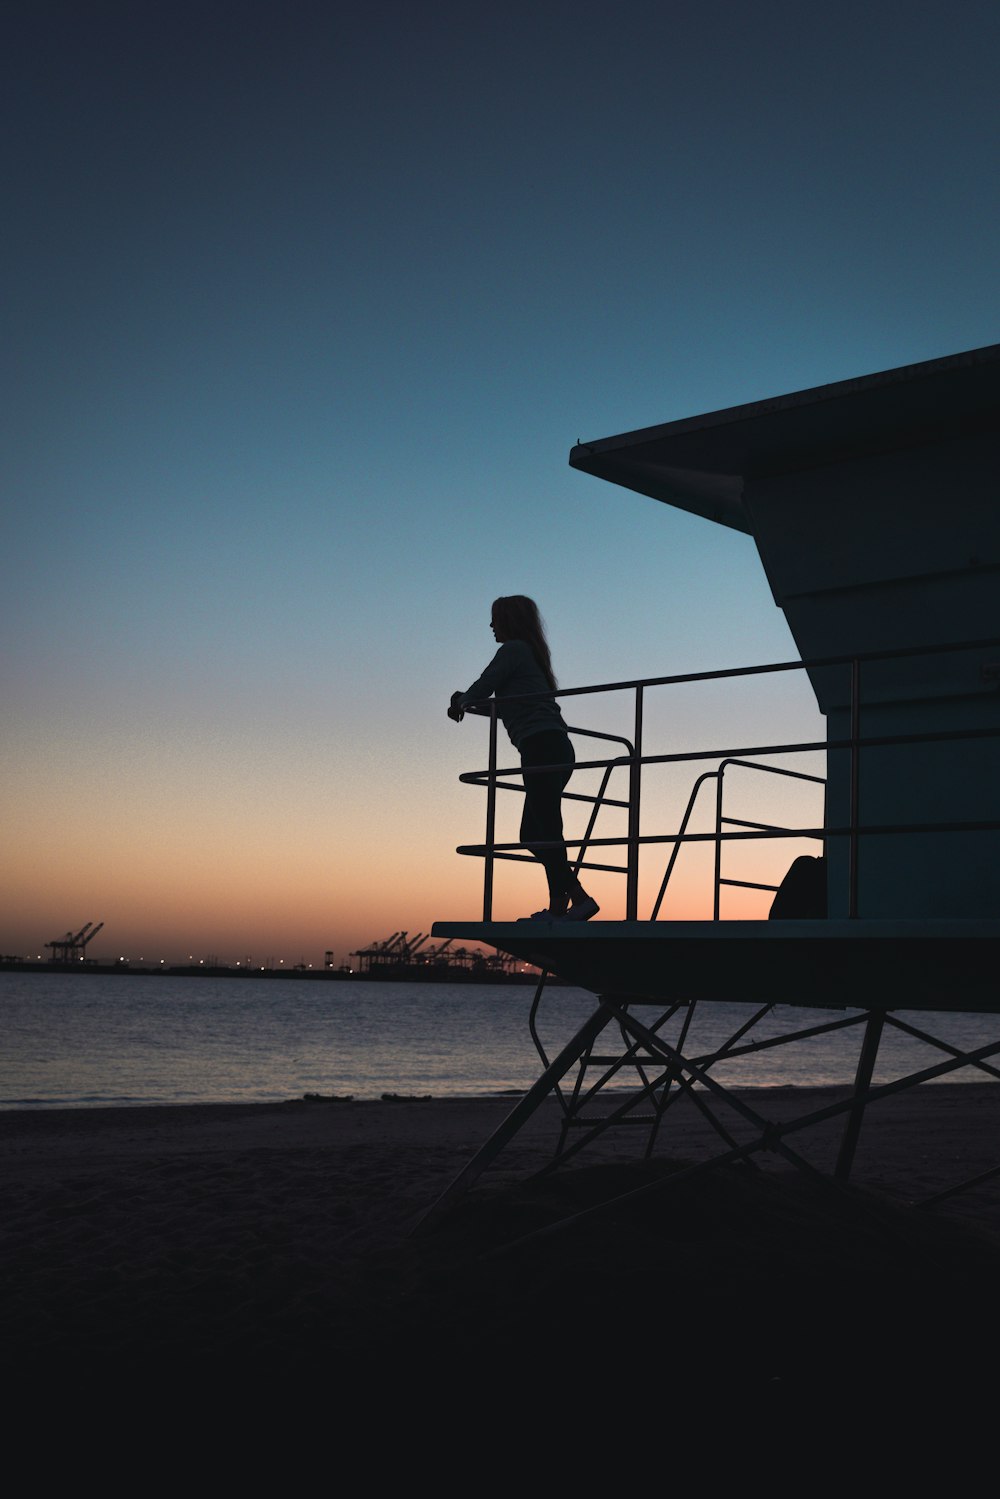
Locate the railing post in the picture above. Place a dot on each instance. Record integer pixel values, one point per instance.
(491, 816)
(717, 900)
(634, 786)
(852, 905)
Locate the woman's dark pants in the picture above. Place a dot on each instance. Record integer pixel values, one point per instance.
(542, 819)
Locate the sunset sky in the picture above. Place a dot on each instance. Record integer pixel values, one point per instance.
(307, 304)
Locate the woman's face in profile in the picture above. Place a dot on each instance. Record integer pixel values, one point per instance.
(497, 632)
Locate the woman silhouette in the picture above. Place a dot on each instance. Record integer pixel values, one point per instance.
(537, 731)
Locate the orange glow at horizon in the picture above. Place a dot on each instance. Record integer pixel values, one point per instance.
(284, 846)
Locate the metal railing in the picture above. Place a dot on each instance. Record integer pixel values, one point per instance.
(635, 760)
(720, 820)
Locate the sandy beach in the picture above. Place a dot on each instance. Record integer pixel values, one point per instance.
(253, 1236)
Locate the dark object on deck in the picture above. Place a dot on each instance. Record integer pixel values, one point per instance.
(802, 893)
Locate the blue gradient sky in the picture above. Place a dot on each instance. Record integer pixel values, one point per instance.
(308, 305)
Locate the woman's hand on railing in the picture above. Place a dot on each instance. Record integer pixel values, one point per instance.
(454, 711)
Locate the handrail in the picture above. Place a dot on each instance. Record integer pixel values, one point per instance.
(751, 671)
(985, 825)
(706, 775)
(635, 759)
(871, 741)
(717, 775)
(482, 712)
(775, 770)
(489, 779)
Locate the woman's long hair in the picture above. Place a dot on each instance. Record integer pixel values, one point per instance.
(517, 618)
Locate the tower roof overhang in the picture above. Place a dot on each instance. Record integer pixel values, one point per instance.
(701, 463)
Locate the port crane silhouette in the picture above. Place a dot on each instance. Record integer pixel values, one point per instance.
(70, 949)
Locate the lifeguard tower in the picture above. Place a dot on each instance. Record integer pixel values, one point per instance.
(874, 508)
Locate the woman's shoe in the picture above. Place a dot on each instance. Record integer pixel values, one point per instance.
(582, 910)
(545, 915)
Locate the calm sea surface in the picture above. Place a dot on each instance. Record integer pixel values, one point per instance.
(77, 1040)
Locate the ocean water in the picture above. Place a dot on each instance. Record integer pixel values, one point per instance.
(72, 1040)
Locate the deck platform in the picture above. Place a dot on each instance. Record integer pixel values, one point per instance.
(887, 964)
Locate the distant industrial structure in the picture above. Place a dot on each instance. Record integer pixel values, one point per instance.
(399, 957)
(404, 956)
(73, 949)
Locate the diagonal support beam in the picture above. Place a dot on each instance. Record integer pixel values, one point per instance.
(520, 1114)
(862, 1085)
(945, 1046)
(770, 1138)
(766, 1141)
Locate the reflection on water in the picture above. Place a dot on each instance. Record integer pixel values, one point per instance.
(72, 1039)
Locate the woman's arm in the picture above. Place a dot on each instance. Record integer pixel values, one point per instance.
(499, 669)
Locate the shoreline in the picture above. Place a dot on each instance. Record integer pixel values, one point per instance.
(31, 1107)
(419, 973)
(318, 1100)
(961, 1119)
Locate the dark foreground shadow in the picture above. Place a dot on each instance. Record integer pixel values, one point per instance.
(775, 1285)
(783, 1283)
